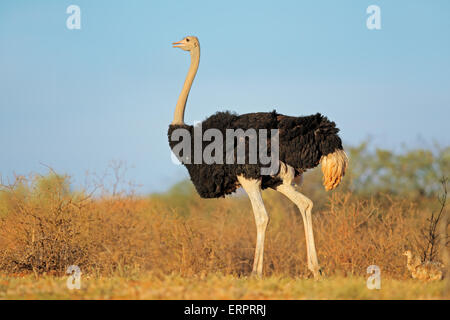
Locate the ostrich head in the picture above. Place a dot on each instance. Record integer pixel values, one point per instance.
(189, 43)
(408, 253)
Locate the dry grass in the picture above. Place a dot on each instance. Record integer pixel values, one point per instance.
(215, 286)
(44, 228)
(178, 246)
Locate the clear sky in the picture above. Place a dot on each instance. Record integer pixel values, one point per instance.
(77, 99)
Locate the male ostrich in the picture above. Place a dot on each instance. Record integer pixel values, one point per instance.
(304, 142)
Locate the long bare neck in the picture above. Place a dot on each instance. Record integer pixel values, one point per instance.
(178, 117)
(412, 261)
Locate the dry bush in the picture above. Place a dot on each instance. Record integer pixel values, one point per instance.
(45, 227)
(354, 234)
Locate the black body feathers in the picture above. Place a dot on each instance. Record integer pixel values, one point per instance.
(302, 143)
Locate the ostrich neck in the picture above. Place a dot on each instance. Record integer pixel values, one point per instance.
(178, 117)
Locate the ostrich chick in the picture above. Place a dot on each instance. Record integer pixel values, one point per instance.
(427, 271)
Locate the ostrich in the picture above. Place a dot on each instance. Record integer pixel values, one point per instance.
(427, 271)
(304, 142)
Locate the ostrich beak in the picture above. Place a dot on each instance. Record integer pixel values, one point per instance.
(178, 44)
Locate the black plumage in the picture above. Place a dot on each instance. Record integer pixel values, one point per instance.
(302, 143)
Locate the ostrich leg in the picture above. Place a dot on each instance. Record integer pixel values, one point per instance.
(305, 206)
(253, 189)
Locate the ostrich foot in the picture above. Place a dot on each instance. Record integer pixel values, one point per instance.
(256, 275)
(318, 273)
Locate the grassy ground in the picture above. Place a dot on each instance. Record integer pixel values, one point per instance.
(215, 287)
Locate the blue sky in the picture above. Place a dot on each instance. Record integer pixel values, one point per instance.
(77, 99)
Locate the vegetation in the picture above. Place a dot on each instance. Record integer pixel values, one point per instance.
(215, 286)
(123, 241)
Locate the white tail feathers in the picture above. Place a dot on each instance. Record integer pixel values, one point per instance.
(333, 168)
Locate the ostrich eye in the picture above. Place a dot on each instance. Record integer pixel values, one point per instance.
(187, 39)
